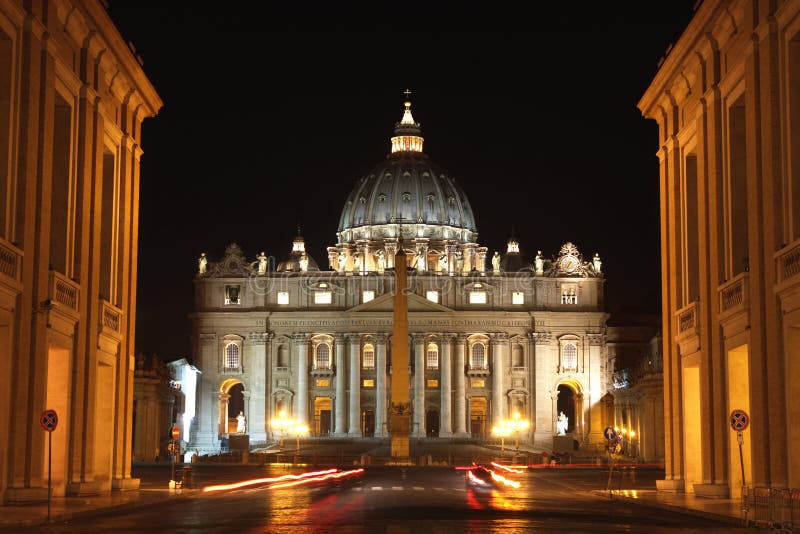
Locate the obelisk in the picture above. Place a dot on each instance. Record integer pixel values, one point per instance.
(400, 416)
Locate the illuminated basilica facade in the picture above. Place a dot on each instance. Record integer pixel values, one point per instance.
(492, 337)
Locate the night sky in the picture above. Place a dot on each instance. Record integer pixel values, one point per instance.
(271, 115)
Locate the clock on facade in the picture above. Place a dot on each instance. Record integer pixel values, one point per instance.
(569, 264)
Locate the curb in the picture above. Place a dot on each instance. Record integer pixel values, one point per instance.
(722, 518)
(69, 515)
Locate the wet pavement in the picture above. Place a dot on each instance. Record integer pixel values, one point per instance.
(154, 490)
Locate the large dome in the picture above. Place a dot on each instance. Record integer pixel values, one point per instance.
(407, 193)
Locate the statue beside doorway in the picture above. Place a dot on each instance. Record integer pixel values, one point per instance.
(241, 423)
(561, 424)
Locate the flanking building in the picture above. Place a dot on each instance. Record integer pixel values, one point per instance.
(73, 97)
(493, 335)
(727, 102)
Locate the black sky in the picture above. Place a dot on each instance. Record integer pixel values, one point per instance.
(271, 114)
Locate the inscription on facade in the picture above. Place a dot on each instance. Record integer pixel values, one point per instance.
(316, 323)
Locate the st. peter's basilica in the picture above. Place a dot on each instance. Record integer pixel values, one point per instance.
(492, 336)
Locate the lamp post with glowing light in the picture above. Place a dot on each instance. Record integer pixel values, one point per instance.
(517, 424)
(502, 430)
(299, 430)
(281, 424)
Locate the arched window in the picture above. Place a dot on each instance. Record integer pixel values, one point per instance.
(322, 357)
(231, 356)
(569, 357)
(478, 360)
(368, 357)
(432, 356)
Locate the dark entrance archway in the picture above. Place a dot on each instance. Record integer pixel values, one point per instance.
(432, 424)
(566, 404)
(368, 426)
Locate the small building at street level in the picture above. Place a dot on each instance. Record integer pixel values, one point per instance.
(494, 335)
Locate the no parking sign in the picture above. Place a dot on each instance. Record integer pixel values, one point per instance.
(739, 420)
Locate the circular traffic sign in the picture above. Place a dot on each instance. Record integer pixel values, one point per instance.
(739, 420)
(176, 432)
(609, 433)
(49, 420)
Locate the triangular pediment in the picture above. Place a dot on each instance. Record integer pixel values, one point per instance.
(385, 303)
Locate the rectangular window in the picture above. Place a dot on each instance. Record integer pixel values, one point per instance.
(569, 294)
(477, 383)
(367, 296)
(231, 295)
(368, 358)
(433, 383)
(322, 297)
(368, 383)
(433, 296)
(477, 297)
(283, 298)
(432, 358)
(323, 383)
(517, 297)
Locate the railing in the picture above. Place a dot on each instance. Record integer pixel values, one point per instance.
(777, 508)
(110, 316)
(787, 262)
(10, 260)
(629, 376)
(64, 291)
(734, 293)
(687, 318)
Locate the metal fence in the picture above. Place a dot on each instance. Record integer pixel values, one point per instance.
(777, 508)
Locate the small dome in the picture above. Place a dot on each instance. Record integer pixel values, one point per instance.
(298, 260)
(513, 260)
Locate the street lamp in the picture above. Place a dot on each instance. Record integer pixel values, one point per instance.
(299, 430)
(281, 424)
(517, 424)
(502, 430)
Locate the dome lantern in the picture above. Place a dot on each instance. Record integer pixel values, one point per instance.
(407, 136)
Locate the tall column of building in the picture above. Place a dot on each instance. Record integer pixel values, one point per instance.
(340, 402)
(355, 386)
(204, 437)
(301, 400)
(446, 372)
(460, 394)
(380, 386)
(419, 385)
(597, 359)
(545, 414)
(257, 365)
(499, 351)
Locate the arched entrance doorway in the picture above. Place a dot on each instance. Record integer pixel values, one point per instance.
(477, 417)
(432, 423)
(230, 403)
(566, 404)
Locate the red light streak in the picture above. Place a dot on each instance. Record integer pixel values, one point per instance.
(254, 481)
